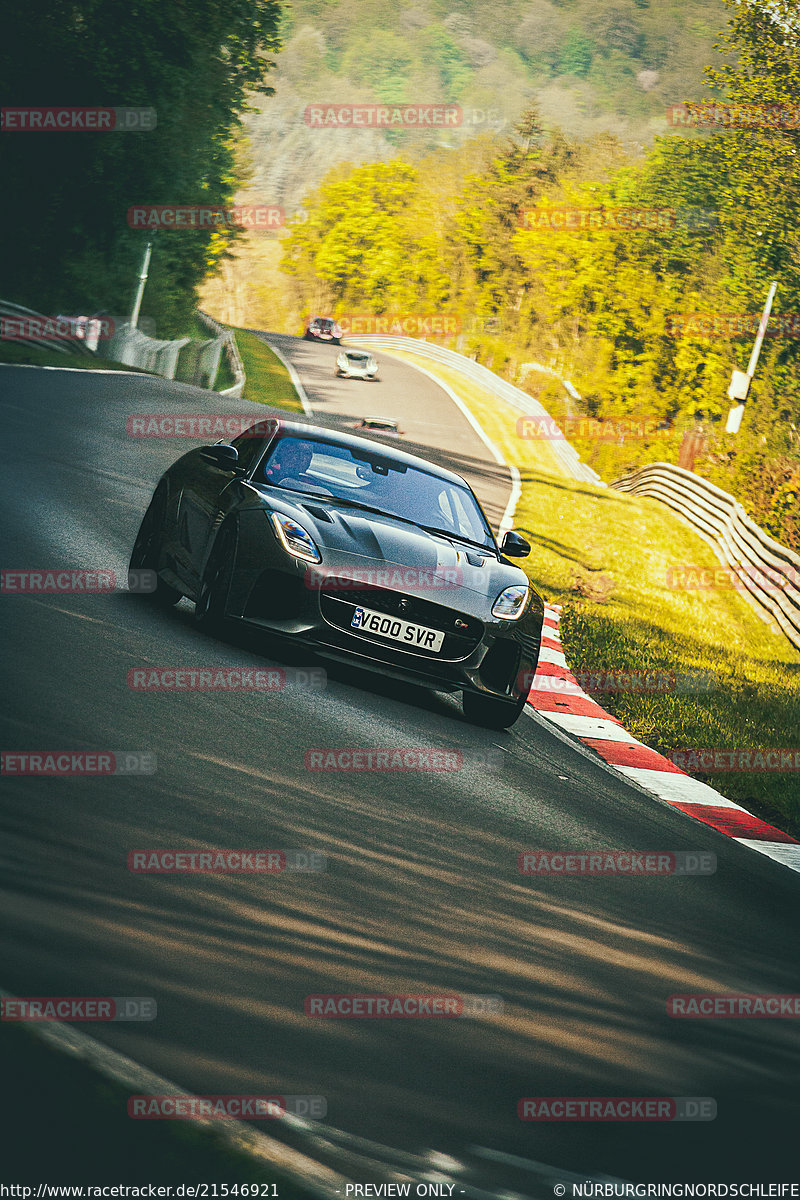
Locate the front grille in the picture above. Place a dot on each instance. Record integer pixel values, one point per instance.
(338, 607)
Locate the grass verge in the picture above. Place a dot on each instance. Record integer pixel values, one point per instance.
(63, 1122)
(268, 380)
(606, 557)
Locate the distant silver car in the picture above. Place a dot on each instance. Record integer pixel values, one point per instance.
(356, 364)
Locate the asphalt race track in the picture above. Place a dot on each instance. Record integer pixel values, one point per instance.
(430, 423)
(421, 894)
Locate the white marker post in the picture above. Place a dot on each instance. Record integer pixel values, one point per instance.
(741, 380)
(140, 290)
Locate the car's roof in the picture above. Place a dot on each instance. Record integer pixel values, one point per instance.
(298, 429)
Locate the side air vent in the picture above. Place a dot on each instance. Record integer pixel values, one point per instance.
(319, 513)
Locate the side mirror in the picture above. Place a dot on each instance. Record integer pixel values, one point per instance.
(514, 546)
(223, 456)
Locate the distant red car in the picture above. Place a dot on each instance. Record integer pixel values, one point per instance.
(323, 329)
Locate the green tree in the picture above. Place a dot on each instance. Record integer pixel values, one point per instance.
(65, 243)
(576, 54)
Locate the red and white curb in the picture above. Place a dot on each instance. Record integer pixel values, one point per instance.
(577, 715)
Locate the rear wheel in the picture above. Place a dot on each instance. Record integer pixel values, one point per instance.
(146, 554)
(209, 609)
(490, 712)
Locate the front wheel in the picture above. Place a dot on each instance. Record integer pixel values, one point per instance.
(490, 712)
(209, 609)
(147, 551)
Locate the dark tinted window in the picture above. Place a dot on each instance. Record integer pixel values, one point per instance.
(250, 444)
(375, 479)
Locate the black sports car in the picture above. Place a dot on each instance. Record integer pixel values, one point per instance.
(354, 548)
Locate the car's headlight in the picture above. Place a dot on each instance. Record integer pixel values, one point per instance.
(295, 540)
(510, 604)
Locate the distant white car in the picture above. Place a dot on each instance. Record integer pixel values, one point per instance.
(356, 364)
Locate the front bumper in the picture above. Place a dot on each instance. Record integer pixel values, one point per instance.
(489, 656)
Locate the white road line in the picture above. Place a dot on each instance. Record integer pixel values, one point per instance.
(295, 378)
(507, 519)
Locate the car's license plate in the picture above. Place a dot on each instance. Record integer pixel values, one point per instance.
(417, 637)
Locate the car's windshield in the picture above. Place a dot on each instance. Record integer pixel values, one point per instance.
(375, 480)
(323, 323)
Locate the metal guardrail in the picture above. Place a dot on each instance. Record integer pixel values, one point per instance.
(188, 359)
(136, 349)
(566, 454)
(62, 345)
(767, 571)
(231, 351)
